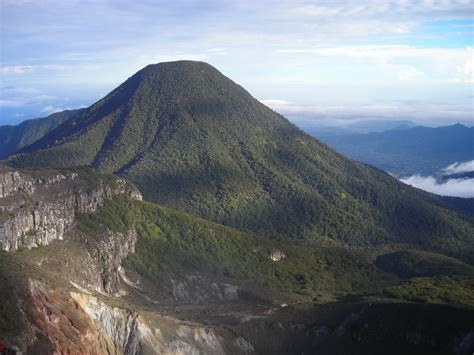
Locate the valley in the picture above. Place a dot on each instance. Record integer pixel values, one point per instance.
(404, 150)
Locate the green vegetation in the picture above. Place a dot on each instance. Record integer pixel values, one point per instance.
(410, 263)
(4, 216)
(173, 242)
(11, 322)
(193, 140)
(439, 289)
(31, 232)
(93, 179)
(430, 277)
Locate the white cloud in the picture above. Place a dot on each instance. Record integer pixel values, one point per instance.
(12, 89)
(16, 69)
(451, 187)
(444, 64)
(22, 69)
(276, 103)
(462, 187)
(51, 109)
(12, 97)
(462, 167)
(12, 103)
(17, 103)
(466, 69)
(388, 11)
(402, 71)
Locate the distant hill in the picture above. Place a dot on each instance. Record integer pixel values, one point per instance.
(358, 126)
(368, 126)
(192, 139)
(404, 152)
(13, 138)
(462, 175)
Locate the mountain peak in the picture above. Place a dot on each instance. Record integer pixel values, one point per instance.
(178, 70)
(162, 102)
(180, 64)
(458, 125)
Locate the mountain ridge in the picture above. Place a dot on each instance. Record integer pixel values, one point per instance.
(13, 138)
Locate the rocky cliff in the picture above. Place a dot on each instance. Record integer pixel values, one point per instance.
(81, 323)
(105, 254)
(39, 206)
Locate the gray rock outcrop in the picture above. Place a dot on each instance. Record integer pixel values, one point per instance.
(38, 207)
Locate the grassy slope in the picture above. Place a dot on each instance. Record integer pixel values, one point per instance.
(415, 263)
(428, 277)
(193, 140)
(172, 242)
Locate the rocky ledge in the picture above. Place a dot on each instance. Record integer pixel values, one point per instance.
(39, 206)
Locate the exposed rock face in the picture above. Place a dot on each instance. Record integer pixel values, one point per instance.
(196, 288)
(37, 207)
(127, 332)
(273, 253)
(61, 326)
(117, 327)
(107, 252)
(82, 324)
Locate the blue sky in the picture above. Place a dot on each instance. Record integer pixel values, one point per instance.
(318, 62)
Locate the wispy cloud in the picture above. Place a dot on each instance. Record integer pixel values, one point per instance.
(18, 97)
(20, 69)
(19, 103)
(444, 64)
(16, 69)
(456, 168)
(52, 109)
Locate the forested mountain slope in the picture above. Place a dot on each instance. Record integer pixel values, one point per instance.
(193, 140)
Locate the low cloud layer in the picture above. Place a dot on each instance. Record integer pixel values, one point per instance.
(332, 115)
(451, 187)
(20, 103)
